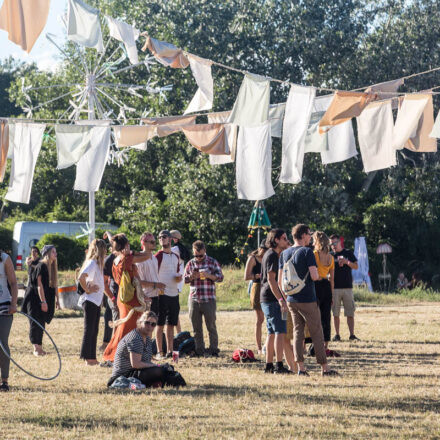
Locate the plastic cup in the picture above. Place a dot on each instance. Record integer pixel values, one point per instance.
(176, 356)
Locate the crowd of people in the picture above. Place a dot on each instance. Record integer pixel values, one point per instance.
(141, 291)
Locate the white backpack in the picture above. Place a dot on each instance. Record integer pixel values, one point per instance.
(291, 282)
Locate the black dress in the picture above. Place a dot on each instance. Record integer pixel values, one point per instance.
(32, 303)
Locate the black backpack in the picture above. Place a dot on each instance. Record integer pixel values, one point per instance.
(179, 338)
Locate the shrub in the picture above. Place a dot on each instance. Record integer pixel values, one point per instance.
(6, 240)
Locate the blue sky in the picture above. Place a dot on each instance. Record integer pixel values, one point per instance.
(43, 53)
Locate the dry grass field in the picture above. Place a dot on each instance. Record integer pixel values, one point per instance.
(389, 388)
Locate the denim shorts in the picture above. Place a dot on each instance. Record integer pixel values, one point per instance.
(274, 323)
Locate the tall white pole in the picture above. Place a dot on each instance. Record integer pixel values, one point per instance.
(91, 115)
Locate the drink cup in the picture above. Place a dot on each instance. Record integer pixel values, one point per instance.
(176, 356)
(284, 315)
(202, 275)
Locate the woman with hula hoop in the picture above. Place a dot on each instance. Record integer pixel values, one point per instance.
(8, 306)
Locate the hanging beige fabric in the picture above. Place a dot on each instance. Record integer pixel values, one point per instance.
(24, 20)
(422, 142)
(169, 124)
(208, 138)
(231, 131)
(4, 147)
(387, 89)
(166, 53)
(345, 105)
(134, 136)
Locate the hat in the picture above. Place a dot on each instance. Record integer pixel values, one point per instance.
(46, 249)
(263, 244)
(165, 232)
(176, 234)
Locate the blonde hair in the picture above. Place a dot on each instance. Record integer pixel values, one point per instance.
(321, 242)
(52, 268)
(97, 251)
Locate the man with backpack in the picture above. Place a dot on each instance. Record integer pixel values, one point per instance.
(297, 271)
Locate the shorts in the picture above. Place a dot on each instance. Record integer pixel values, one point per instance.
(346, 297)
(274, 323)
(154, 306)
(169, 309)
(255, 296)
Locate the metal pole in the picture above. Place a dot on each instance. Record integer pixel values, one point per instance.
(91, 115)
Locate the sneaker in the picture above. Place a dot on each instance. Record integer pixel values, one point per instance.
(4, 387)
(169, 355)
(303, 373)
(330, 373)
(332, 353)
(353, 338)
(160, 356)
(336, 338)
(268, 369)
(282, 370)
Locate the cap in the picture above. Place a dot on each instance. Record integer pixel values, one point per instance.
(165, 232)
(176, 234)
(263, 244)
(46, 249)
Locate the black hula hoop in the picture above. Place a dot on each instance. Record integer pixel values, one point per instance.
(53, 342)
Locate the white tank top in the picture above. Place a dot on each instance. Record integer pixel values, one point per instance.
(5, 295)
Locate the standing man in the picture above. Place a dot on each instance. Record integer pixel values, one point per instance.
(345, 261)
(202, 272)
(274, 305)
(169, 274)
(149, 272)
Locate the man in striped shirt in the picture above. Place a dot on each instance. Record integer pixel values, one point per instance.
(202, 272)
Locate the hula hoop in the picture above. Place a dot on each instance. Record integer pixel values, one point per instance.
(53, 342)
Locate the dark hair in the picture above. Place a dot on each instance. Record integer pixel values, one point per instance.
(35, 247)
(119, 241)
(198, 245)
(274, 234)
(333, 236)
(299, 230)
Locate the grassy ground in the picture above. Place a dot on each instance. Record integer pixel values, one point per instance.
(389, 387)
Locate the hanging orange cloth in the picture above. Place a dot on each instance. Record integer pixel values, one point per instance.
(4, 147)
(24, 20)
(344, 106)
(166, 53)
(207, 138)
(169, 124)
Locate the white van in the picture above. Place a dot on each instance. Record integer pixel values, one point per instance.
(27, 234)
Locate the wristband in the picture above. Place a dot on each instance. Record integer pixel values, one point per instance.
(281, 299)
(43, 302)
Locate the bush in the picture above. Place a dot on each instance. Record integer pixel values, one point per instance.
(6, 240)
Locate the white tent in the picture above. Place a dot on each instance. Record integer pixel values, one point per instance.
(361, 276)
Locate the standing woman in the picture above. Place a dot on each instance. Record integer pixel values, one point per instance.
(253, 273)
(123, 264)
(41, 296)
(91, 278)
(325, 285)
(33, 260)
(8, 306)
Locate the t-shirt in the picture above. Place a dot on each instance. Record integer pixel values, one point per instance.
(132, 342)
(176, 250)
(108, 273)
(302, 260)
(169, 268)
(268, 264)
(148, 271)
(343, 277)
(94, 276)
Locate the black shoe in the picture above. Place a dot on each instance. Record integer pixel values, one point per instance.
(336, 338)
(330, 373)
(281, 370)
(4, 387)
(268, 368)
(169, 355)
(311, 350)
(303, 373)
(353, 338)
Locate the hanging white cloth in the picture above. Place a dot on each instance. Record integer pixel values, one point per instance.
(166, 53)
(90, 168)
(276, 117)
(296, 120)
(25, 140)
(126, 34)
(361, 275)
(375, 134)
(386, 89)
(201, 70)
(73, 141)
(254, 163)
(83, 26)
(408, 119)
(339, 142)
(231, 134)
(435, 132)
(252, 104)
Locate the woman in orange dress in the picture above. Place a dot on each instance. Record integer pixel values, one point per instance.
(128, 312)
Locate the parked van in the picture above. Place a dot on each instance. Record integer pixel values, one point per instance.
(27, 234)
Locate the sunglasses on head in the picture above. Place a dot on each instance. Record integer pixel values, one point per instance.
(151, 323)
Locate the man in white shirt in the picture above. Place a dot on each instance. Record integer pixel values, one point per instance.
(169, 274)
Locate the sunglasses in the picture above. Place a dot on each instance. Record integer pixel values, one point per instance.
(335, 243)
(198, 256)
(163, 236)
(151, 323)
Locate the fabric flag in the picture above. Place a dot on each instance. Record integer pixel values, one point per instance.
(254, 163)
(276, 117)
(166, 53)
(25, 140)
(134, 136)
(345, 105)
(387, 89)
(167, 125)
(4, 147)
(422, 142)
(296, 120)
(375, 134)
(252, 104)
(90, 168)
(408, 118)
(231, 134)
(336, 145)
(126, 34)
(207, 138)
(83, 26)
(24, 20)
(435, 132)
(204, 96)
